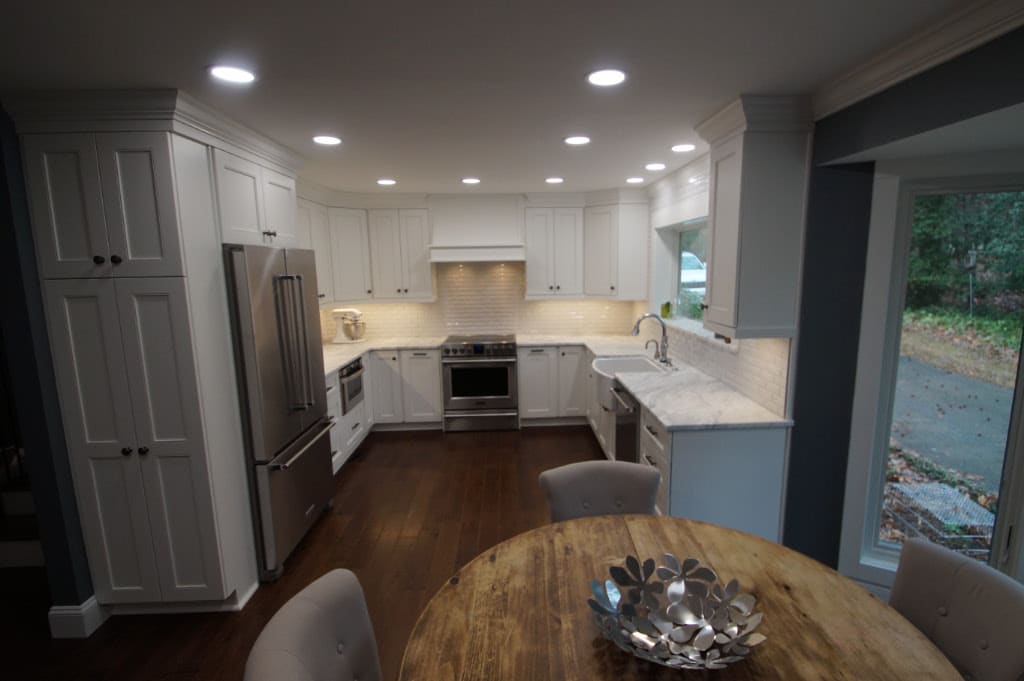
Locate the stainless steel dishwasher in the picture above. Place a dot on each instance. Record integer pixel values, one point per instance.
(627, 426)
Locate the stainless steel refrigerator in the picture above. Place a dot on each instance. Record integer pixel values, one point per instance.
(276, 324)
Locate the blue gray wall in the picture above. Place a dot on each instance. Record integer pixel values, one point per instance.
(23, 327)
(986, 79)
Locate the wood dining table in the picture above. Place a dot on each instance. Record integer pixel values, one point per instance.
(518, 611)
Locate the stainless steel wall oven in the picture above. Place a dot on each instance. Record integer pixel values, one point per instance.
(481, 391)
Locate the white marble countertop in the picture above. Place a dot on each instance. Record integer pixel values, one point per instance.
(684, 398)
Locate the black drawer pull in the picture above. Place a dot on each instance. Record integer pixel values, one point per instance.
(355, 426)
(125, 451)
(143, 451)
(98, 259)
(116, 259)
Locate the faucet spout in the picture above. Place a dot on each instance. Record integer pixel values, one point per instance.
(664, 335)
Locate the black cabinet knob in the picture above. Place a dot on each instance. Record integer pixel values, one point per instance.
(321, 295)
(703, 306)
(558, 288)
(398, 290)
(143, 451)
(269, 233)
(116, 259)
(613, 288)
(98, 259)
(125, 451)
(369, 291)
(406, 290)
(551, 288)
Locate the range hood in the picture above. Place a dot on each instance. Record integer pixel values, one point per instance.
(486, 228)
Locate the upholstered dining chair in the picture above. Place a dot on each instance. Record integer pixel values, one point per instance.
(323, 633)
(591, 488)
(973, 613)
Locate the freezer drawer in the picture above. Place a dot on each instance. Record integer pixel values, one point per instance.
(294, 489)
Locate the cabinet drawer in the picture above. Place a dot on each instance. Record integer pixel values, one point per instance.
(655, 436)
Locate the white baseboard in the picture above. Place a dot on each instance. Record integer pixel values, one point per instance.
(77, 621)
(232, 603)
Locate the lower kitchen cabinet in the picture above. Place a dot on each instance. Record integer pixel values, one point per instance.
(572, 380)
(727, 476)
(602, 421)
(421, 385)
(385, 386)
(552, 381)
(134, 408)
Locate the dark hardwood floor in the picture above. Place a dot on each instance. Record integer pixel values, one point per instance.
(410, 509)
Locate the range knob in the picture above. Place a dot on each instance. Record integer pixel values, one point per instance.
(446, 351)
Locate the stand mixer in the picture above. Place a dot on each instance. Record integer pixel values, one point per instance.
(351, 326)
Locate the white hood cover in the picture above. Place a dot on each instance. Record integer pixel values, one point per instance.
(486, 228)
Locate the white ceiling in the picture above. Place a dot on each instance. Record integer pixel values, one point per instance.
(429, 92)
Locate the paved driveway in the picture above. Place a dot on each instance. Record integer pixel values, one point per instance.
(957, 422)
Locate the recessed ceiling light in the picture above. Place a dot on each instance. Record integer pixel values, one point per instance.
(471, 180)
(634, 180)
(606, 77)
(385, 181)
(232, 74)
(555, 180)
(577, 140)
(327, 140)
(655, 166)
(680, 148)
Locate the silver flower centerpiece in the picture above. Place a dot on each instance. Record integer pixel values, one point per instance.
(683, 619)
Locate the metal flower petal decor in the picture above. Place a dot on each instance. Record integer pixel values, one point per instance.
(684, 619)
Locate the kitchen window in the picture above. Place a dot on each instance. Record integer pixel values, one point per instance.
(691, 263)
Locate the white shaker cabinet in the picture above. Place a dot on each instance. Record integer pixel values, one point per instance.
(350, 254)
(759, 160)
(103, 204)
(572, 381)
(311, 219)
(554, 252)
(256, 204)
(421, 385)
(386, 386)
(400, 253)
(615, 251)
(130, 400)
(538, 382)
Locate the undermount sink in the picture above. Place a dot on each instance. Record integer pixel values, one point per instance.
(606, 368)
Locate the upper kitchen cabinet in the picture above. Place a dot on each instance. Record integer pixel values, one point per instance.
(256, 204)
(554, 252)
(311, 220)
(400, 251)
(615, 251)
(350, 254)
(759, 159)
(103, 204)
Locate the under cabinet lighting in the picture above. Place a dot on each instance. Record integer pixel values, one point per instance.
(634, 180)
(327, 140)
(471, 180)
(232, 74)
(655, 166)
(680, 148)
(555, 180)
(606, 77)
(577, 140)
(386, 181)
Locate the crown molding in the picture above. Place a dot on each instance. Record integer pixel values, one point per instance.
(141, 110)
(756, 113)
(962, 31)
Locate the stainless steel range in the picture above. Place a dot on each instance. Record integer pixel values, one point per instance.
(480, 387)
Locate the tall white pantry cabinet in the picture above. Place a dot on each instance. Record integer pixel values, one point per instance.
(129, 247)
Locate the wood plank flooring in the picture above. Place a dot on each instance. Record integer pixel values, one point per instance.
(410, 509)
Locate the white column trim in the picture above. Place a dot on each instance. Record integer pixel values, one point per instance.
(77, 621)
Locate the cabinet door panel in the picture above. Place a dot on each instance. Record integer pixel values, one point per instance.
(416, 254)
(572, 381)
(67, 212)
(568, 250)
(279, 207)
(350, 253)
(599, 251)
(725, 233)
(96, 405)
(386, 254)
(165, 401)
(538, 382)
(314, 217)
(139, 202)
(239, 199)
(421, 385)
(540, 265)
(386, 387)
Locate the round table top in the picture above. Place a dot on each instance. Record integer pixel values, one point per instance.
(518, 611)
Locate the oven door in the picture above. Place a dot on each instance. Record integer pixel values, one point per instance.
(480, 384)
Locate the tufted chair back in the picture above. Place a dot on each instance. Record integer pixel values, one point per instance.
(973, 613)
(591, 488)
(323, 633)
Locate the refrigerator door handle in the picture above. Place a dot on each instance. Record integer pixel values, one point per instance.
(287, 332)
(295, 457)
(307, 375)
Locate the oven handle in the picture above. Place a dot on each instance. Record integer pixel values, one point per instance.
(482, 360)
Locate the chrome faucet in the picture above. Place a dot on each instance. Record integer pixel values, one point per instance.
(661, 356)
(657, 352)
